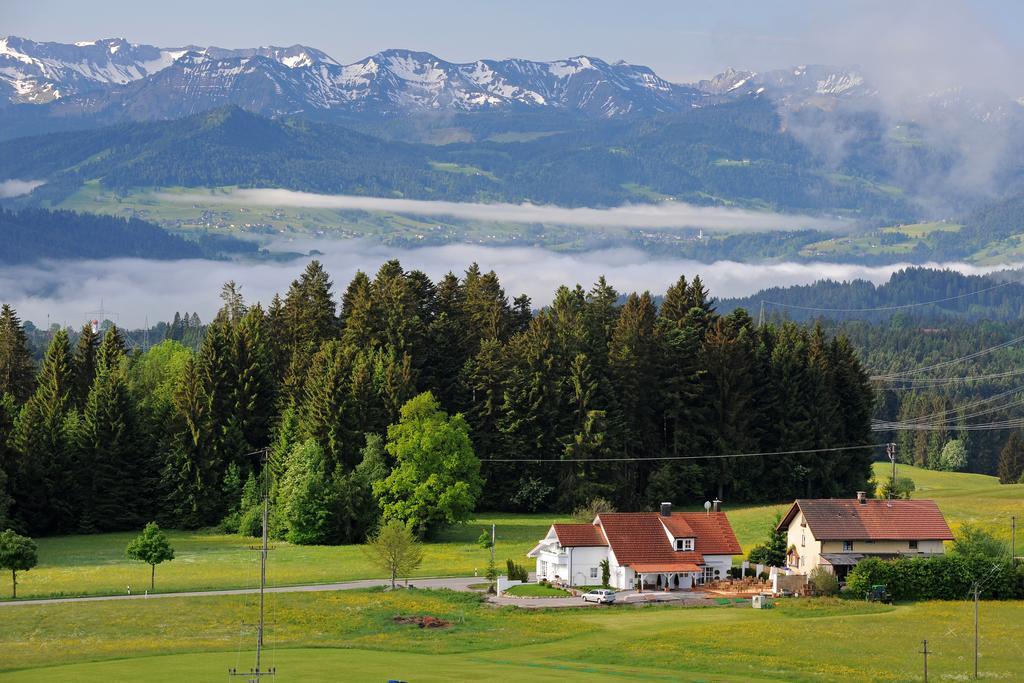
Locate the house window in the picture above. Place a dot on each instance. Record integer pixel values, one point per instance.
(593, 572)
(803, 539)
(679, 544)
(847, 546)
(801, 561)
(913, 545)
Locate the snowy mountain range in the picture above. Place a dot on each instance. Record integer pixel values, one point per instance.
(143, 81)
(48, 86)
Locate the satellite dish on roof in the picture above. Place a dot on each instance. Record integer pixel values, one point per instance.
(707, 506)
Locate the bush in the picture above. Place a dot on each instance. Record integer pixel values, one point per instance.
(947, 577)
(901, 490)
(585, 513)
(516, 572)
(823, 581)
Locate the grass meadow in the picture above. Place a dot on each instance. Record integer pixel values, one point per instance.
(352, 636)
(95, 565)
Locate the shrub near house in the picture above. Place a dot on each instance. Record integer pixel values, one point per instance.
(975, 554)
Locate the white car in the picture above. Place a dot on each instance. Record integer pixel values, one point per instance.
(600, 595)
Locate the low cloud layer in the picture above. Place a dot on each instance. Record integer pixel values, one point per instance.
(17, 188)
(137, 289)
(663, 215)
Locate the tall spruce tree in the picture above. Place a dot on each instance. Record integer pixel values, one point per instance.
(1011, 460)
(107, 443)
(84, 363)
(16, 366)
(44, 478)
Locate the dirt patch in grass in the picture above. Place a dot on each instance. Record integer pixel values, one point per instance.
(424, 621)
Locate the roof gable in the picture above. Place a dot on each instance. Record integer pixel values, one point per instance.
(833, 519)
(640, 538)
(579, 535)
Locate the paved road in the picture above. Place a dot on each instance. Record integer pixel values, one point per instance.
(621, 598)
(458, 584)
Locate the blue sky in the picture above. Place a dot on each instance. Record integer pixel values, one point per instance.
(680, 39)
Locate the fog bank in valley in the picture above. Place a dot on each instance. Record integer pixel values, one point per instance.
(660, 215)
(138, 288)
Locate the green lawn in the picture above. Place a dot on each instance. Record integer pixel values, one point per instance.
(90, 565)
(535, 590)
(84, 565)
(352, 636)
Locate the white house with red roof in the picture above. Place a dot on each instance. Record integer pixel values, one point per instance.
(837, 533)
(667, 550)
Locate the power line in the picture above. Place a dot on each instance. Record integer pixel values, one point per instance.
(806, 451)
(892, 376)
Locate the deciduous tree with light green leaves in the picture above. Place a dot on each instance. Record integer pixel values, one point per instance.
(151, 547)
(436, 479)
(395, 550)
(17, 553)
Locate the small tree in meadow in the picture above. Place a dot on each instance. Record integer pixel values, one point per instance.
(17, 553)
(824, 581)
(395, 550)
(773, 552)
(151, 547)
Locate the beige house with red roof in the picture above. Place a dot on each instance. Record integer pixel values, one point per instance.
(667, 550)
(839, 533)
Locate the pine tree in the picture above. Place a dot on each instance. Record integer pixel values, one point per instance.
(633, 370)
(323, 417)
(107, 444)
(190, 474)
(44, 479)
(84, 363)
(219, 372)
(255, 391)
(310, 316)
(16, 366)
(1011, 460)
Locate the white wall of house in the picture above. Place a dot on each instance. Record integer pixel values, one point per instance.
(574, 566)
(719, 565)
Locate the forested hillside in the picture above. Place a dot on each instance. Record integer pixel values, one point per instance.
(576, 401)
(971, 327)
(736, 153)
(918, 292)
(31, 234)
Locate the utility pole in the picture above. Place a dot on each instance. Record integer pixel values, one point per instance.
(1013, 540)
(492, 542)
(760, 317)
(890, 450)
(925, 653)
(976, 591)
(256, 674)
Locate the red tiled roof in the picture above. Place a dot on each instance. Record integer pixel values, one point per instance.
(665, 567)
(677, 526)
(639, 538)
(579, 535)
(713, 531)
(832, 519)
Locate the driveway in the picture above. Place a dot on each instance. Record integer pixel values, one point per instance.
(681, 598)
(456, 584)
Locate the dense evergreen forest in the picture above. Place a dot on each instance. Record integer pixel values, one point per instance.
(954, 296)
(919, 318)
(534, 410)
(32, 234)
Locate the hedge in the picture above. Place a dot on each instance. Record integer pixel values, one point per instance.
(947, 577)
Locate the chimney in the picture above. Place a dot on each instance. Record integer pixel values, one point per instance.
(666, 509)
(716, 505)
(862, 497)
